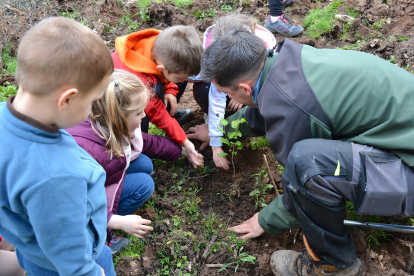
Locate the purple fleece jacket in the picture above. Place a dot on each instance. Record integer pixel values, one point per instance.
(155, 147)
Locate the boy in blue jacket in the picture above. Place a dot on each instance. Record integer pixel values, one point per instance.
(52, 196)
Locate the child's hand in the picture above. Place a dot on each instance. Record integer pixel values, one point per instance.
(220, 161)
(172, 100)
(234, 105)
(184, 153)
(195, 158)
(135, 225)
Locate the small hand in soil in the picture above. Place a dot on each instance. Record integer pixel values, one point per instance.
(195, 158)
(200, 132)
(135, 225)
(250, 227)
(220, 161)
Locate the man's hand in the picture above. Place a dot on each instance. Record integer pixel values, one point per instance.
(234, 105)
(200, 132)
(195, 158)
(250, 227)
(103, 272)
(220, 161)
(172, 100)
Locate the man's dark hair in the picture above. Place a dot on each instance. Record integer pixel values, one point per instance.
(235, 56)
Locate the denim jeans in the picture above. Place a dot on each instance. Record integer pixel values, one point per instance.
(138, 185)
(104, 261)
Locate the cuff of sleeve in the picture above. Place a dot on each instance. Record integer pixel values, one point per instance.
(215, 141)
(275, 219)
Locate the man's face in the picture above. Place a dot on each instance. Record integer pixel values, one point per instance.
(243, 94)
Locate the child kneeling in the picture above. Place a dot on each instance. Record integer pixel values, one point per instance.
(112, 136)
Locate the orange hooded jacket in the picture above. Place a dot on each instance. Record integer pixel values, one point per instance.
(134, 54)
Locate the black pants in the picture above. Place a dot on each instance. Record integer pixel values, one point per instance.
(200, 93)
(320, 174)
(181, 88)
(276, 7)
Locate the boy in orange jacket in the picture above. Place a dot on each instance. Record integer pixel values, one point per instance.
(161, 59)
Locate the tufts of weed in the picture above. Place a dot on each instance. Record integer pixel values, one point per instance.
(321, 20)
(183, 3)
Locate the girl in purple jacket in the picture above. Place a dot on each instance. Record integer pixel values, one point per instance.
(112, 135)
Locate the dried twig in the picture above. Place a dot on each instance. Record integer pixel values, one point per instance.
(242, 269)
(213, 239)
(13, 9)
(296, 235)
(271, 176)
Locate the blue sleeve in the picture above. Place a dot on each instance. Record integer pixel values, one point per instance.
(57, 209)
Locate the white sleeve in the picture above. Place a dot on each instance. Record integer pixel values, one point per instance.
(216, 107)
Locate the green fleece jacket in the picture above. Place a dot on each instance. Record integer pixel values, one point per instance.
(333, 94)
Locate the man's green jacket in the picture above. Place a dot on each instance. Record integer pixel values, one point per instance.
(334, 94)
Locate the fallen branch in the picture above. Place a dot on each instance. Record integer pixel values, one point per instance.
(296, 235)
(271, 176)
(13, 9)
(213, 239)
(344, 18)
(229, 267)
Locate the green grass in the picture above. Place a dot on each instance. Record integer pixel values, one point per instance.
(373, 237)
(9, 68)
(204, 14)
(321, 20)
(183, 3)
(402, 38)
(257, 143)
(9, 63)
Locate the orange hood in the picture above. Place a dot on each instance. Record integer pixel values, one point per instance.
(135, 51)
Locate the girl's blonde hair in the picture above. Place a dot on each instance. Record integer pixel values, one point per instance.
(109, 113)
(233, 22)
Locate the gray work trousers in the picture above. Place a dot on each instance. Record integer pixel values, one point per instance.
(320, 174)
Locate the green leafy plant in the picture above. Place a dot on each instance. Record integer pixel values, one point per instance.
(183, 3)
(321, 20)
(127, 20)
(231, 139)
(257, 143)
(377, 237)
(402, 38)
(204, 14)
(261, 188)
(75, 15)
(9, 62)
(7, 91)
(239, 258)
(226, 7)
(380, 24)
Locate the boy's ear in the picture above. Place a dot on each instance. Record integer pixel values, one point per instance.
(66, 98)
(161, 67)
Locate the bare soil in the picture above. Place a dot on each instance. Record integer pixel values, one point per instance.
(220, 194)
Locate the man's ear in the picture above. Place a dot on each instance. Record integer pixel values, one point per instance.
(66, 98)
(245, 86)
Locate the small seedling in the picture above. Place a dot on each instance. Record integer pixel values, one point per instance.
(261, 189)
(226, 7)
(258, 143)
(380, 24)
(240, 258)
(402, 38)
(232, 135)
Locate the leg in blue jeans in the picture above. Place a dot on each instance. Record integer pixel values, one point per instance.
(104, 260)
(142, 164)
(138, 185)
